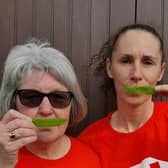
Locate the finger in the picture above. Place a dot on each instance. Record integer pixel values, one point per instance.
(13, 114)
(23, 132)
(161, 88)
(15, 145)
(19, 143)
(19, 123)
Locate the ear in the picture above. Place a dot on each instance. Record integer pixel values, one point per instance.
(163, 68)
(109, 68)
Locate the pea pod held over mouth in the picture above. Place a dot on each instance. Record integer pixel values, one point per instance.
(140, 90)
(48, 122)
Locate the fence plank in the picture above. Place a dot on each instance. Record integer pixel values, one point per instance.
(122, 13)
(62, 26)
(150, 14)
(24, 20)
(7, 22)
(43, 19)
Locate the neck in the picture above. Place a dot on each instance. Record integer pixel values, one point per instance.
(54, 150)
(129, 118)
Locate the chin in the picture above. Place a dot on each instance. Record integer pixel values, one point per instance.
(136, 99)
(48, 139)
(47, 135)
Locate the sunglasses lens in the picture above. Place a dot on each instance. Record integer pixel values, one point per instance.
(60, 99)
(30, 98)
(33, 98)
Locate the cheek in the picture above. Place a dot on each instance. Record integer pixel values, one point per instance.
(121, 75)
(152, 76)
(120, 71)
(63, 113)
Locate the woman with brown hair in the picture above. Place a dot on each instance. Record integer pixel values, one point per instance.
(136, 133)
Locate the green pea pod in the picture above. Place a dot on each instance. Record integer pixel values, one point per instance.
(48, 122)
(140, 90)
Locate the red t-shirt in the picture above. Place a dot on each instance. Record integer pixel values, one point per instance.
(147, 147)
(79, 156)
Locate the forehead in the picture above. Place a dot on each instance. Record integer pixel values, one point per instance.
(138, 39)
(41, 80)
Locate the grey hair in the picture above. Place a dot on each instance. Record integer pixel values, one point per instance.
(37, 54)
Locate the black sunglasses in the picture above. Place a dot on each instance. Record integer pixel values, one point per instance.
(33, 98)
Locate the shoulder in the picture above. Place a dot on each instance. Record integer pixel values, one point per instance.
(161, 107)
(161, 112)
(96, 129)
(85, 152)
(161, 103)
(80, 146)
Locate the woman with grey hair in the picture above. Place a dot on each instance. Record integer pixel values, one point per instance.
(40, 98)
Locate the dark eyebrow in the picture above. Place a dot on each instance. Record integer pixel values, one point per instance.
(148, 56)
(125, 55)
(130, 55)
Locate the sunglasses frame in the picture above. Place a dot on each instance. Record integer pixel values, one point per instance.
(41, 96)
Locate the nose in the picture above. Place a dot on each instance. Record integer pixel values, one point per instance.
(45, 108)
(136, 74)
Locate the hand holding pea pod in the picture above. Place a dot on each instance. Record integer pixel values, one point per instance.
(16, 131)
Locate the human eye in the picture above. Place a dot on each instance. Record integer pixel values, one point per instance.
(126, 59)
(148, 61)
